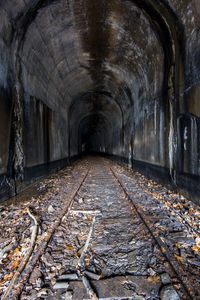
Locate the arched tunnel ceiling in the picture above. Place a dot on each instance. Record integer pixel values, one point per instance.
(74, 47)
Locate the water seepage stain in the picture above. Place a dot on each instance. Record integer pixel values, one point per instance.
(97, 34)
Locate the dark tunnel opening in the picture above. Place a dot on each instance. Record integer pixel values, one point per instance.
(96, 124)
(93, 134)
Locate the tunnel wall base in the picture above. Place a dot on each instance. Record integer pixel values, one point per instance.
(75, 158)
(40, 170)
(184, 183)
(163, 174)
(8, 188)
(190, 186)
(118, 158)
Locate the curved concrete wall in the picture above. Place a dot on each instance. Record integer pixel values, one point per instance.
(118, 77)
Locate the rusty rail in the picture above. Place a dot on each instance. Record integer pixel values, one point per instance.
(177, 269)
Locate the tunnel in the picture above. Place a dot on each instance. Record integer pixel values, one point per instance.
(120, 78)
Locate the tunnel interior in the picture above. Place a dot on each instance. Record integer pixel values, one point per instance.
(92, 134)
(114, 77)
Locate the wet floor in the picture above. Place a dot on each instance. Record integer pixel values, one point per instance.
(94, 242)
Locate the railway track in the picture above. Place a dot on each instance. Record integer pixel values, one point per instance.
(181, 202)
(186, 274)
(175, 265)
(44, 237)
(104, 244)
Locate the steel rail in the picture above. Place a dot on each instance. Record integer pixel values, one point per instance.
(43, 244)
(175, 267)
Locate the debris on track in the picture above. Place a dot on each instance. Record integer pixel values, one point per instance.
(103, 232)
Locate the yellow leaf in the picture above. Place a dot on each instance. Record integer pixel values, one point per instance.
(179, 258)
(196, 248)
(177, 286)
(163, 249)
(177, 245)
(2, 282)
(178, 205)
(88, 262)
(8, 277)
(172, 196)
(14, 253)
(14, 264)
(69, 247)
(154, 278)
(197, 240)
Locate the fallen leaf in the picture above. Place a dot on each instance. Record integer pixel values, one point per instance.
(8, 277)
(76, 254)
(197, 240)
(15, 263)
(177, 245)
(178, 205)
(179, 258)
(88, 262)
(154, 278)
(69, 247)
(196, 248)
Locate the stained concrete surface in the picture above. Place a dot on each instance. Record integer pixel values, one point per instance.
(116, 77)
